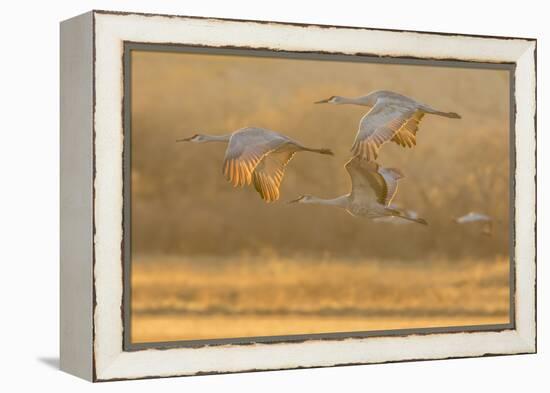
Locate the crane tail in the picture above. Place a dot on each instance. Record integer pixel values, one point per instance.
(397, 213)
(450, 115)
(320, 151)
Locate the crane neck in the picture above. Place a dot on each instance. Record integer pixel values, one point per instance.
(341, 201)
(216, 138)
(363, 101)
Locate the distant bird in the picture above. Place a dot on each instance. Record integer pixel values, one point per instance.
(256, 155)
(473, 217)
(393, 117)
(398, 220)
(372, 190)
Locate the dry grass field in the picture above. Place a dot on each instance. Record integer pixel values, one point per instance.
(189, 299)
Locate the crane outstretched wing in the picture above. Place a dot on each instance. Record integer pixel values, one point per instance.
(381, 124)
(370, 180)
(391, 177)
(246, 149)
(363, 188)
(269, 173)
(406, 136)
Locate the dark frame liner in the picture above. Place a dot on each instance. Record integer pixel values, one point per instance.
(324, 56)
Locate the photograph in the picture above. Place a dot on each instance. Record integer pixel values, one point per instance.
(278, 195)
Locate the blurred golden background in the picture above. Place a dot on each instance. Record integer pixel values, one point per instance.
(212, 261)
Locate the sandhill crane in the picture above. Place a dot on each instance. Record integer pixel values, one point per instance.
(398, 220)
(392, 117)
(256, 155)
(372, 190)
(473, 217)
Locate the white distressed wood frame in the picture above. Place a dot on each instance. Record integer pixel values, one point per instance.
(95, 350)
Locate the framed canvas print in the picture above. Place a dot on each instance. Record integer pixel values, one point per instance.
(246, 195)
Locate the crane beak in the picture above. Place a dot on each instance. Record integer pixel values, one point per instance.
(295, 200)
(322, 101)
(185, 139)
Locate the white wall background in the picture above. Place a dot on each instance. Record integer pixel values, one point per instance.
(29, 195)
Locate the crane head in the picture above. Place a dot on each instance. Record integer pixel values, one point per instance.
(197, 138)
(330, 100)
(301, 199)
